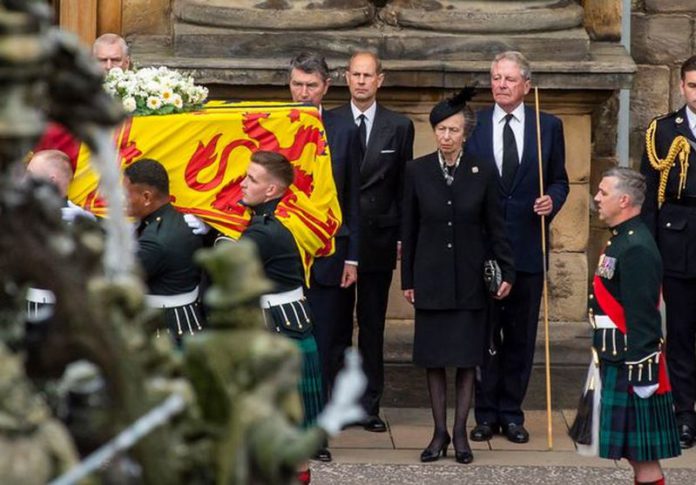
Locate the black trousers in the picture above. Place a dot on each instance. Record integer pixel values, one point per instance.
(505, 376)
(371, 311)
(332, 309)
(680, 307)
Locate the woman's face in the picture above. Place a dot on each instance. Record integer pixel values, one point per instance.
(449, 134)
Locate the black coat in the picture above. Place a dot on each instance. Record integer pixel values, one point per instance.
(344, 146)
(389, 147)
(674, 224)
(448, 231)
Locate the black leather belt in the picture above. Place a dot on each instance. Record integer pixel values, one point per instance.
(685, 201)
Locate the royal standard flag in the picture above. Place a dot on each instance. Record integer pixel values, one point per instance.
(206, 154)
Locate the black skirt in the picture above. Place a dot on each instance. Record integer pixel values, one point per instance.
(449, 338)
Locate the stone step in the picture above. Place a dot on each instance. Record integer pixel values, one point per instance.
(389, 43)
(405, 384)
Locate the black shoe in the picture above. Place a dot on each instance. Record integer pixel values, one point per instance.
(323, 455)
(686, 436)
(374, 424)
(430, 454)
(516, 433)
(483, 432)
(465, 456)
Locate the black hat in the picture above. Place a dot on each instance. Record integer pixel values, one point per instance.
(451, 106)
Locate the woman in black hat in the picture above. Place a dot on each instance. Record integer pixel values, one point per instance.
(452, 222)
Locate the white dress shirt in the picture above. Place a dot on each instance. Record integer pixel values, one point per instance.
(369, 118)
(691, 119)
(517, 125)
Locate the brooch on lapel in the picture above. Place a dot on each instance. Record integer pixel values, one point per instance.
(679, 120)
(474, 169)
(606, 267)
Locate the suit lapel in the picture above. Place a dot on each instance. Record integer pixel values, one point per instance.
(528, 161)
(683, 127)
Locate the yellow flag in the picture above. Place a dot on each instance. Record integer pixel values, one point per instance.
(206, 154)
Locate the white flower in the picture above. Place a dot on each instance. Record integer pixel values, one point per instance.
(129, 104)
(177, 101)
(167, 96)
(154, 102)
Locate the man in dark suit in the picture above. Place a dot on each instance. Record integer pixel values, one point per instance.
(329, 294)
(670, 214)
(386, 141)
(506, 135)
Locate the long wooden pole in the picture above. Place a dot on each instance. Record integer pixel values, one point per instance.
(549, 425)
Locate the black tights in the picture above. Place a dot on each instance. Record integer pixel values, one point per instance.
(464, 388)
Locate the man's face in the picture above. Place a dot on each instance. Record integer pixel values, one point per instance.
(449, 134)
(258, 186)
(111, 55)
(507, 84)
(688, 89)
(363, 80)
(307, 88)
(610, 202)
(137, 199)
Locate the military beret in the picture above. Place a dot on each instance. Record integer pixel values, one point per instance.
(451, 106)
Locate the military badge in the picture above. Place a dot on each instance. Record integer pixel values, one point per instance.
(474, 169)
(606, 267)
(679, 120)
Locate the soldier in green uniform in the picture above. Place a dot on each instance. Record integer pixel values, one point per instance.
(636, 419)
(165, 248)
(669, 165)
(285, 309)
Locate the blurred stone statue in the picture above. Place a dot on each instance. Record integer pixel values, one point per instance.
(245, 379)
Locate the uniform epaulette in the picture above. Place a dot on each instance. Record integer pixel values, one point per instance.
(665, 116)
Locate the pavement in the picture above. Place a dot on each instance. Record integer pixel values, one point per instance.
(361, 457)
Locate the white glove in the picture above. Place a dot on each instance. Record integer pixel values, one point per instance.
(645, 392)
(197, 226)
(344, 407)
(72, 211)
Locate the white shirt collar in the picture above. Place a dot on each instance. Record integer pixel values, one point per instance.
(499, 113)
(369, 112)
(691, 119)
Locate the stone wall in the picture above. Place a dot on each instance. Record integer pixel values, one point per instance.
(663, 35)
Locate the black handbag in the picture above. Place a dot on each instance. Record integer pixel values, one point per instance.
(492, 275)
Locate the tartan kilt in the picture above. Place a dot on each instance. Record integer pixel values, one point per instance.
(634, 428)
(309, 384)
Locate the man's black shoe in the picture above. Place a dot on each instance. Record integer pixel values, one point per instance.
(483, 432)
(516, 433)
(374, 424)
(686, 436)
(323, 455)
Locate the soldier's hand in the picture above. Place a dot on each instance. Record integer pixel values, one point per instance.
(350, 275)
(503, 290)
(410, 296)
(197, 226)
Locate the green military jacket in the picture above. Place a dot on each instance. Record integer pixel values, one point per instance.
(626, 288)
(165, 251)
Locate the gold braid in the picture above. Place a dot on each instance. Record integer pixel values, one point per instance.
(680, 147)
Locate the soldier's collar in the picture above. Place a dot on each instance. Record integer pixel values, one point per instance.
(156, 214)
(626, 226)
(266, 208)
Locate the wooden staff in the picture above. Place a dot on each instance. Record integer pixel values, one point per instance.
(549, 426)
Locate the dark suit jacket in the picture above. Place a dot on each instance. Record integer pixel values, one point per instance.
(344, 146)
(447, 232)
(390, 146)
(674, 224)
(522, 224)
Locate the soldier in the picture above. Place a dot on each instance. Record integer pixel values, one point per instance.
(165, 248)
(637, 420)
(669, 165)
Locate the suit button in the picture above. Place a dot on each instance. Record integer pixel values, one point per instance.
(509, 197)
(449, 223)
(669, 224)
(449, 202)
(449, 245)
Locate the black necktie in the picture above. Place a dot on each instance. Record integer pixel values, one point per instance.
(362, 128)
(510, 158)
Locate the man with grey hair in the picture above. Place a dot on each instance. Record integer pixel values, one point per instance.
(332, 278)
(111, 51)
(506, 135)
(636, 410)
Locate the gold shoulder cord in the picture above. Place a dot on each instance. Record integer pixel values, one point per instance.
(680, 147)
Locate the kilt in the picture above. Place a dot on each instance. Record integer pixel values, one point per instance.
(634, 428)
(310, 380)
